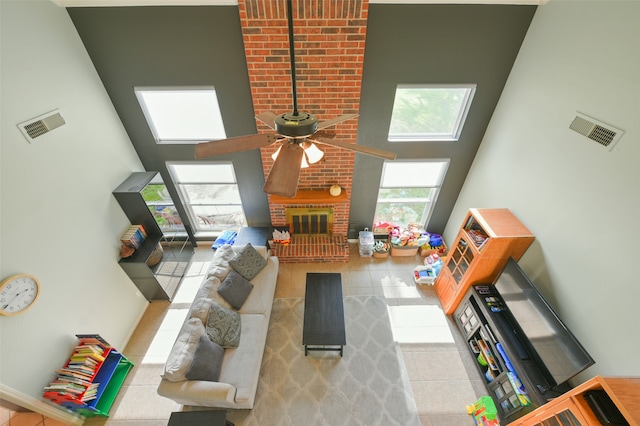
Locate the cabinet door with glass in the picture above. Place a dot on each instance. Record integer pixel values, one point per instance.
(565, 413)
(460, 258)
(484, 243)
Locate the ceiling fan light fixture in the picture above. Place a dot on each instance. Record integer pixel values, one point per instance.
(304, 164)
(275, 154)
(313, 153)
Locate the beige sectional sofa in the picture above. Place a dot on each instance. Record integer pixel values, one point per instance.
(239, 370)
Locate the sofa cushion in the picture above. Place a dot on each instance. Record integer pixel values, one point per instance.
(248, 262)
(200, 309)
(207, 361)
(223, 326)
(260, 299)
(183, 351)
(235, 289)
(219, 266)
(241, 365)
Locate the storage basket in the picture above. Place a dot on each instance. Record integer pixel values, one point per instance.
(156, 256)
(381, 254)
(427, 250)
(403, 250)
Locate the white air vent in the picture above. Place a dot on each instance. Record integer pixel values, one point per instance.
(38, 126)
(604, 134)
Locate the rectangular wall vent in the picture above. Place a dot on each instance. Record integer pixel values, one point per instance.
(604, 134)
(40, 125)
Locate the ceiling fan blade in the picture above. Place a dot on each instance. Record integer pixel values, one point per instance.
(231, 145)
(388, 155)
(332, 121)
(284, 175)
(268, 118)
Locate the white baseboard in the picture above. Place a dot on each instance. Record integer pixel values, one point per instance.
(39, 406)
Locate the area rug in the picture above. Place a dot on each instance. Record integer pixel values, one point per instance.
(367, 386)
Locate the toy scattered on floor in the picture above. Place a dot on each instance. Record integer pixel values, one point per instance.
(484, 412)
(424, 275)
(435, 262)
(408, 236)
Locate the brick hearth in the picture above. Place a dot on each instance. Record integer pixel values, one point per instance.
(313, 249)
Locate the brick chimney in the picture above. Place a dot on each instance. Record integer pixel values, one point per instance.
(329, 54)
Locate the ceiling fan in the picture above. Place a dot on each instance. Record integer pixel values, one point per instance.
(294, 131)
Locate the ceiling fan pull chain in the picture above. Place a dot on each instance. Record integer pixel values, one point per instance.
(292, 58)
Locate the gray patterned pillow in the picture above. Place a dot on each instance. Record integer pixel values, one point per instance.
(248, 262)
(223, 326)
(235, 289)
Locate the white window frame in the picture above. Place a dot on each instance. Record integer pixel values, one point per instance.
(184, 198)
(192, 115)
(424, 136)
(413, 181)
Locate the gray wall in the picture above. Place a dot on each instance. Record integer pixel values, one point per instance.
(437, 44)
(138, 46)
(176, 46)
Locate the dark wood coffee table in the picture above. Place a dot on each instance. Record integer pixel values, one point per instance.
(199, 418)
(323, 328)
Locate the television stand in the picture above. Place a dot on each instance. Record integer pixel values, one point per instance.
(513, 376)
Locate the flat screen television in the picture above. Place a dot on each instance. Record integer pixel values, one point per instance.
(555, 345)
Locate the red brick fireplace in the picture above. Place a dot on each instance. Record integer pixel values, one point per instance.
(329, 53)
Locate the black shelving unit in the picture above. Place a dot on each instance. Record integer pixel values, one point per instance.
(160, 281)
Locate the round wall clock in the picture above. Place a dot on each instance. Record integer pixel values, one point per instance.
(18, 293)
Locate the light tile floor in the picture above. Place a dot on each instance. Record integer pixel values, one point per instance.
(443, 377)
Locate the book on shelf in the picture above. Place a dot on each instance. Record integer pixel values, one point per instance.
(134, 237)
(92, 339)
(84, 393)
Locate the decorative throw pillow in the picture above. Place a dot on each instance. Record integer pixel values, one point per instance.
(248, 262)
(209, 290)
(183, 351)
(223, 326)
(235, 289)
(207, 361)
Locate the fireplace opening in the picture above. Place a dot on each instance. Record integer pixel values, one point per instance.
(310, 221)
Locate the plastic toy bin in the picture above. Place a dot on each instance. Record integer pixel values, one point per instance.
(366, 241)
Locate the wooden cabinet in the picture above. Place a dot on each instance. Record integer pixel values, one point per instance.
(485, 241)
(155, 280)
(572, 408)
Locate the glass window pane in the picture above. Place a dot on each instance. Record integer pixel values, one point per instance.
(184, 115)
(404, 193)
(413, 173)
(167, 217)
(203, 173)
(400, 214)
(408, 191)
(217, 218)
(212, 194)
(155, 193)
(429, 112)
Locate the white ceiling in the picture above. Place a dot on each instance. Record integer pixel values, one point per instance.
(99, 3)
